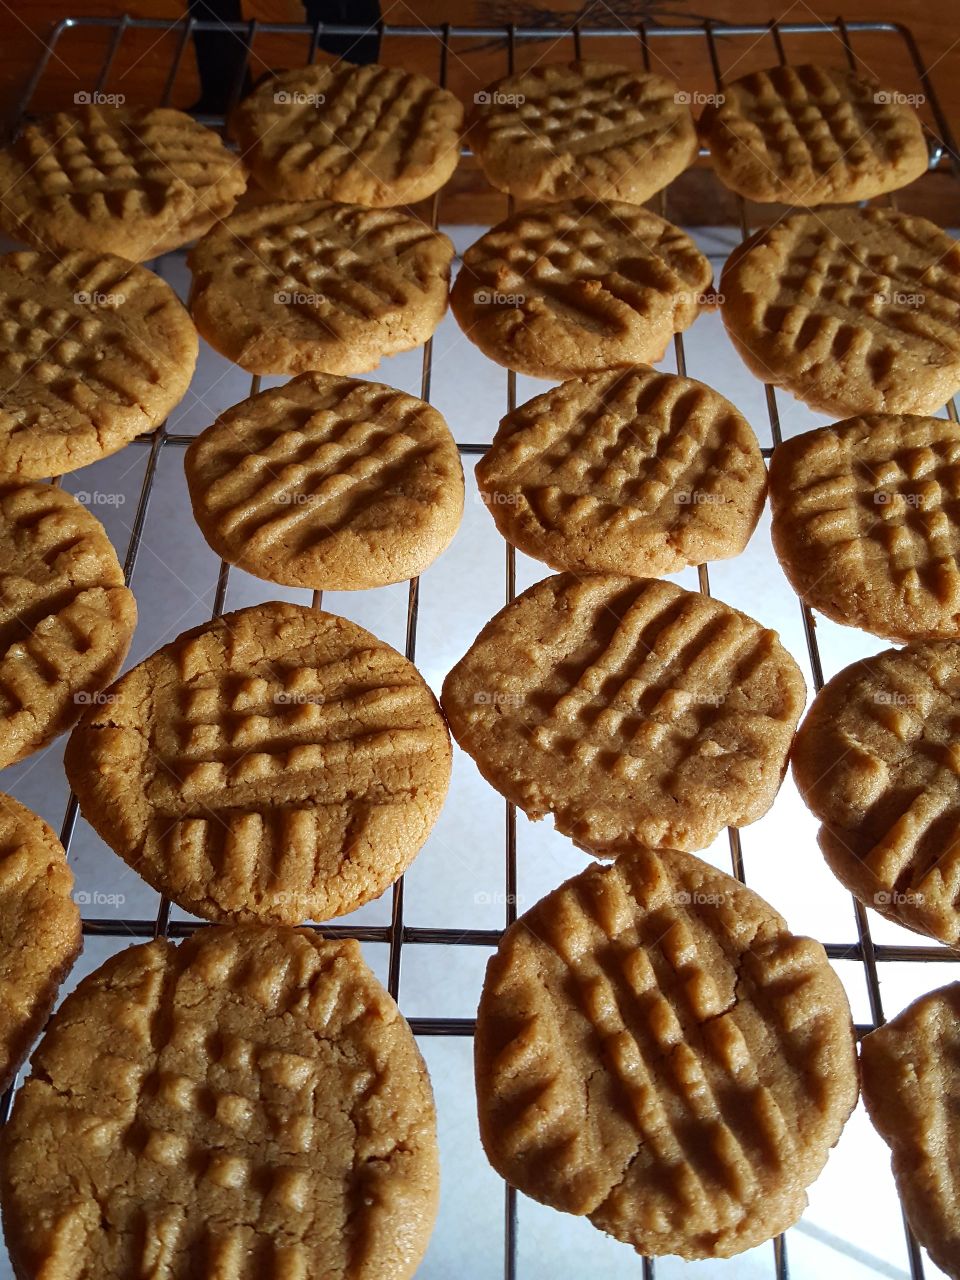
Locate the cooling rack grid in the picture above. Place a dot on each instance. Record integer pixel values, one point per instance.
(390, 939)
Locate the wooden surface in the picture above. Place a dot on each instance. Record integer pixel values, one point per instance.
(144, 58)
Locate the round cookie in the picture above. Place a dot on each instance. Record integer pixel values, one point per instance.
(656, 1051)
(911, 1088)
(561, 289)
(39, 929)
(633, 711)
(865, 523)
(808, 135)
(289, 288)
(564, 130)
(851, 310)
(327, 483)
(625, 471)
(93, 352)
(248, 1103)
(366, 135)
(134, 181)
(66, 618)
(277, 763)
(876, 759)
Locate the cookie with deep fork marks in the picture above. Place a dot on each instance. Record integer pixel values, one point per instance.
(276, 764)
(327, 483)
(876, 760)
(656, 1051)
(290, 288)
(248, 1103)
(625, 471)
(365, 135)
(559, 290)
(851, 310)
(560, 131)
(865, 523)
(633, 711)
(808, 135)
(137, 181)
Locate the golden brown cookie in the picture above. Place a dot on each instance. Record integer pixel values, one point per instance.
(851, 310)
(877, 761)
(93, 352)
(808, 135)
(277, 763)
(656, 1051)
(66, 618)
(865, 523)
(135, 181)
(633, 711)
(564, 130)
(327, 483)
(911, 1088)
(361, 135)
(39, 929)
(562, 289)
(248, 1104)
(289, 288)
(625, 471)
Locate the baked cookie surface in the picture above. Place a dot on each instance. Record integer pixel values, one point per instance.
(631, 710)
(365, 135)
(327, 483)
(656, 1051)
(248, 1103)
(562, 289)
(809, 135)
(66, 617)
(276, 764)
(865, 523)
(876, 760)
(912, 1094)
(293, 288)
(132, 181)
(95, 351)
(626, 471)
(582, 129)
(39, 929)
(851, 310)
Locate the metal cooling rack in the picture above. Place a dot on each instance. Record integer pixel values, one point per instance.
(636, 45)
